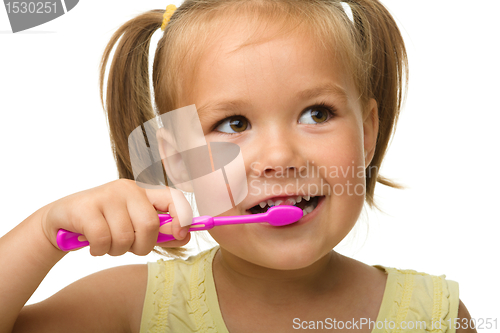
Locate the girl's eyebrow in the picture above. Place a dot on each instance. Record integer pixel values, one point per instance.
(326, 89)
(239, 104)
(228, 105)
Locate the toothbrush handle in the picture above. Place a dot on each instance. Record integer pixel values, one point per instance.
(67, 240)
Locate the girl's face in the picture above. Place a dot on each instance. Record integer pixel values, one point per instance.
(298, 120)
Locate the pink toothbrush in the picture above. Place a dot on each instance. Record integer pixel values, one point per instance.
(277, 216)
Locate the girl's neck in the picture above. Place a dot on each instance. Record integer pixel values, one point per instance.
(323, 276)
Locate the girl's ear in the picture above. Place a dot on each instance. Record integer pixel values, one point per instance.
(370, 130)
(172, 161)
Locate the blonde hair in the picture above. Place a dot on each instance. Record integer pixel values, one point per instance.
(368, 43)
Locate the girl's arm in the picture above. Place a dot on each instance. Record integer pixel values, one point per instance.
(116, 218)
(107, 301)
(464, 320)
(26, 256)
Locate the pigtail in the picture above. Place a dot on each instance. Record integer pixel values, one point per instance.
(128, 100)
(383, 49)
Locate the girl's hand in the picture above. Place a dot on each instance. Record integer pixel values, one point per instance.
(116, 218)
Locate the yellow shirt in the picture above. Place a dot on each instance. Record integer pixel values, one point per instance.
(181, 297)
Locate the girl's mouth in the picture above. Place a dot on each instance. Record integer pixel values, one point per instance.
(306, 203)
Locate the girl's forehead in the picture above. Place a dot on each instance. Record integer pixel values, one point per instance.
(208, 38)
(271, 50)
(278, 75)
(239, 35)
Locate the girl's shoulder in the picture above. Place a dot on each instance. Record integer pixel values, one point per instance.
(419, 300)
(407, 297)
(127, 286)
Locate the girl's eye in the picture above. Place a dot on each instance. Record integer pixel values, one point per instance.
(316, 115)
(232, 125)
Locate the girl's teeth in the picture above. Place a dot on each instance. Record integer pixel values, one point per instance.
(291, 201)
(307, 210)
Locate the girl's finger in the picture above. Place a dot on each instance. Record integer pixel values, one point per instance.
(160, 197)
(172, 201)
(169, 228)
(178, 231)
(122, 230)
(97, 233)
(146, 225)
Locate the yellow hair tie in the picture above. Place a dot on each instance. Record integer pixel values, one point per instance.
(167, 15)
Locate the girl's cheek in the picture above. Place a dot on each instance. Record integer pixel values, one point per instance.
(345, 165)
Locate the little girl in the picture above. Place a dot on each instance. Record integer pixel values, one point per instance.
(310, 91)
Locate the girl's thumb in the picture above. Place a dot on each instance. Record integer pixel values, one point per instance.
(171, 200)
(182, 208)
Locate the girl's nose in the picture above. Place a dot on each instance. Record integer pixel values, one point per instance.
(275, 154)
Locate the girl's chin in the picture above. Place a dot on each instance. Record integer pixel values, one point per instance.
(288, 259)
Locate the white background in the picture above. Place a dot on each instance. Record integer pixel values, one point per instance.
(54, 140)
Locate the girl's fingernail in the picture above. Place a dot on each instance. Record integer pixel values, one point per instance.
(183, 233)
